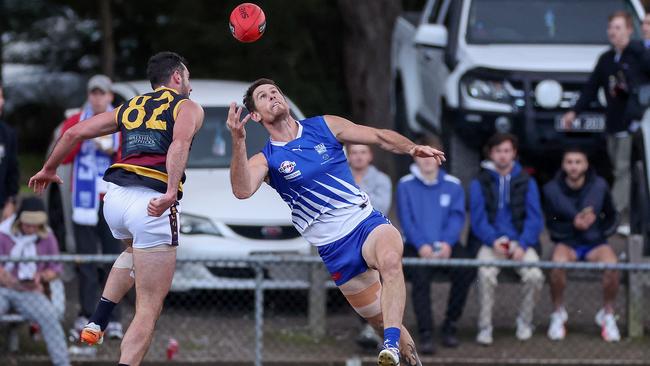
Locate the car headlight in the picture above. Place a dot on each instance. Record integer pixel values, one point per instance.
(490, 90)
(194, 225)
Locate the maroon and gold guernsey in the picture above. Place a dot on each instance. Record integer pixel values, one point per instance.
(146, 123)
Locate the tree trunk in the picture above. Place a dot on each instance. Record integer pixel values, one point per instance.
(108, 46)
(366, 52)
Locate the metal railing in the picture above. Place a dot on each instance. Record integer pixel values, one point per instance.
(286, 308)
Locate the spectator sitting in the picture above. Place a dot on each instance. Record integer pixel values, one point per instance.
(21, 283)
(580, 215)
(379, 188)
(370, 179)
(431, 209)
(506, 219)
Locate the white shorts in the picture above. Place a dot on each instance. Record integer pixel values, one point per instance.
(125, 210)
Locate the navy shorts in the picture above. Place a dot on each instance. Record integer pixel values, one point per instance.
(583, 250)
(343, 258)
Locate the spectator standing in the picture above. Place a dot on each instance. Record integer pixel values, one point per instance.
(380, 190)
(506, 218)
(26, 234)
(9, 173)
(618, 71)
(431, 210)
(580, 216)
(89, 160)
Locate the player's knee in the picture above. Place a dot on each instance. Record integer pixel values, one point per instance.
(124, 260)
(390, 262)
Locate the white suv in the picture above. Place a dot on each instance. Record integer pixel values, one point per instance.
(214, 224)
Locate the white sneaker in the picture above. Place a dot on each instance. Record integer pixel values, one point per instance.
(388, 356)
(609, 330)
(114, 330)
(484, 336)
(524, 330)
(556, 329)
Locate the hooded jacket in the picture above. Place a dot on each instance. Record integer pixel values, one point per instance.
(379, 188)
(430, 211)
(562, 204)
(487, 226)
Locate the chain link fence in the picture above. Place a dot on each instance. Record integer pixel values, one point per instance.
(274, 310)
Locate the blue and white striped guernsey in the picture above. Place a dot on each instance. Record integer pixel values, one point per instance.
(312, 176)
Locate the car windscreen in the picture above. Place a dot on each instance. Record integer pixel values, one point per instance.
(212, 145)
(543, 21)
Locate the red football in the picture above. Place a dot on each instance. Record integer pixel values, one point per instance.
(247, 22)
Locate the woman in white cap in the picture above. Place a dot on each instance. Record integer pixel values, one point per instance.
(22, 283)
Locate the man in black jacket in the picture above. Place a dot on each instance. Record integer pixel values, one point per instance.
(618, 71)
(9, 174)
(580, 216)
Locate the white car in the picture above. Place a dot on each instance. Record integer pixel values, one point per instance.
(466, 69)
(214, 224)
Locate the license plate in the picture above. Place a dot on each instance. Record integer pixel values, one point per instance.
(583, 123)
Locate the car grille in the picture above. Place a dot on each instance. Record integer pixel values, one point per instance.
(572, 84)
(270, 232)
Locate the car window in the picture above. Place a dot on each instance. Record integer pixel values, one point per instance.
(543, 21)
(212, 146)
(433, 16)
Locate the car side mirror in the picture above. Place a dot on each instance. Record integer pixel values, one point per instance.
(431, 35)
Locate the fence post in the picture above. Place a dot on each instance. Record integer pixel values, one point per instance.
(317, 300)
(636, 283)
(259, 313)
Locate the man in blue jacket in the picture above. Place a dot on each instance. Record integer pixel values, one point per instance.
(580, 215)
(431, 209)
(506, 218)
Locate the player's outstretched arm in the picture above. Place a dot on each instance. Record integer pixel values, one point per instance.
(246, 176)
(187, 124)
(99, 125)
(348, 132)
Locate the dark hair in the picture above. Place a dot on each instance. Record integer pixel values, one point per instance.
(162, 65)
(499, 138)
(248, 101)
(622, 14)
(575, 150)
(429, 140)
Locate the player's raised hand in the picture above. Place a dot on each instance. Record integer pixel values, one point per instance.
(235, 124)
(42, 179)
(424, 151)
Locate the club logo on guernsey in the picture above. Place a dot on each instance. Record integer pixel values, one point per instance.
(320, 149)
(287, 167)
